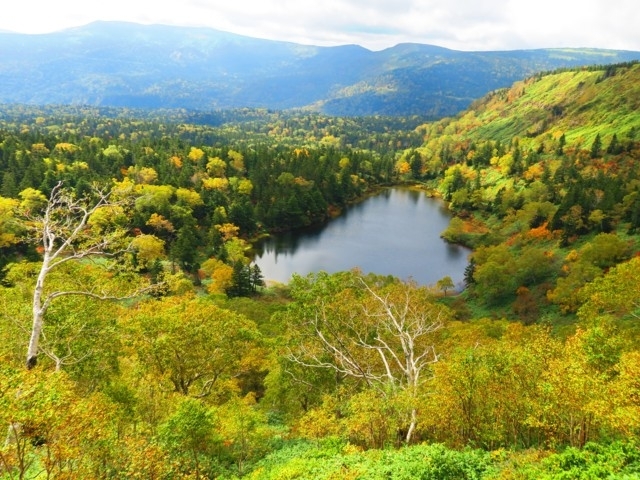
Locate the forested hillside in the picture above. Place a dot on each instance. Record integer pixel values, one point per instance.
(543, 179)
(137, 340)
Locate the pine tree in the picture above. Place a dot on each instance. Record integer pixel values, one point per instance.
(596, 147)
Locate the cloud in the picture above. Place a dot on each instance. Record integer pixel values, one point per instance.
(376, 24)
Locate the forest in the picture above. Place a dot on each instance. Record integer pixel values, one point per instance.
(138, 339)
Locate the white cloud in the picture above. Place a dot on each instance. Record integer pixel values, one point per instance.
(376, 24)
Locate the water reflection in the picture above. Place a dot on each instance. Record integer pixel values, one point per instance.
(396, 232)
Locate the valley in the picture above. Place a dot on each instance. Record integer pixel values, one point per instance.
(138, 339)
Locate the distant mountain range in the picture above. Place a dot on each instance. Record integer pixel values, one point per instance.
(156, 66)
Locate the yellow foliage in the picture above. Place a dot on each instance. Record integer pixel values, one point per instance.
(534, 172)
(122, 189)
(330, 140)
(625, 393)
(221, 278)
(105, 216)
(39, 149)
(190, 197)
(65, 147)
(303, 182)
(216, 166)
(32, 199)
(320, 422)
(221, 184)
(80, 166)
(196, 154)
(158, 222)
(7, 210)
(505, 163)
(208, 266)
(228, 231)
(403, 167)
(245, 187)
(153, 196)
(142, 175)
(148, 249)
(572, 256)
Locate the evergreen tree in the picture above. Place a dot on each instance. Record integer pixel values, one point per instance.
(241, 281)
(257, 279)
(468, 273)
(9, 188)
(614, 147)
(241, 213)
(562, 141)
(184, 248)
(596, 147)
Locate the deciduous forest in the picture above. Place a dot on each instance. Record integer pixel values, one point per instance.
(138, 339)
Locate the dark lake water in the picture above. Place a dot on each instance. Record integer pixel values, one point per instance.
(396, 232)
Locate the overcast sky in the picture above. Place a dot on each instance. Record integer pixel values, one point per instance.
(375, 24)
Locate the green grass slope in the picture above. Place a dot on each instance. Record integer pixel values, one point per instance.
(578, 104)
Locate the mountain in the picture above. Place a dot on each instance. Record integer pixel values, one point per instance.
(157, 66)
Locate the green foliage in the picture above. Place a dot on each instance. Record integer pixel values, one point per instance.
(192, 346)
(328, 459)
(615, 460)
(190, 439)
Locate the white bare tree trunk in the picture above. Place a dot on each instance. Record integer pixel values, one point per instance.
(37, 315)
(63, 233)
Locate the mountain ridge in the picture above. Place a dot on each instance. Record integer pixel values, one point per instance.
(160, 66)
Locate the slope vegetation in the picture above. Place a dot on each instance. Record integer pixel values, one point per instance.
(543, 178)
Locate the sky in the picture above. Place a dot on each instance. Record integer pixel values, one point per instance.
(470, 25)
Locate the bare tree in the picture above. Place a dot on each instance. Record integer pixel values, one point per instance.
(63, 234)
(384, 337)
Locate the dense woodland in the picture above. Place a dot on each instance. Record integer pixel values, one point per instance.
(137, 339)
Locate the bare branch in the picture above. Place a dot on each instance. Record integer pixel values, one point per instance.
(64, 234)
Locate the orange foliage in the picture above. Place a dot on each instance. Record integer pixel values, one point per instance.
(228, 231)
(472, 226)
(176, 161)
(534, 172)
(540, 233)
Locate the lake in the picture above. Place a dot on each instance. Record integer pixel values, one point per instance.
(396, 232)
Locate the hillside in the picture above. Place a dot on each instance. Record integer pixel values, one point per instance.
(130, 65)
(576, 103)
(543, 179)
